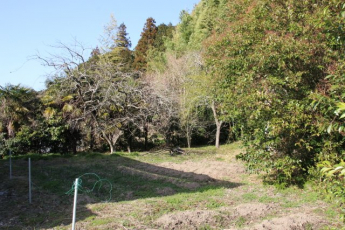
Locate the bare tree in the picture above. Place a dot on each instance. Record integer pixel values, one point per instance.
(187, 87)
(178, 84)
(97, 93)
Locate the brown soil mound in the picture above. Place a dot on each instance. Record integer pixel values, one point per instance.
(198, 218)
(253, 210)
(299, 221)
(187, 219)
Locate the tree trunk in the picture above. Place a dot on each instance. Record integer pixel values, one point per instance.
(189, 138)
(92, 138)
(112, 148)
(128, 137)
(10, 129)
(74, 145)
(146, 131)
(110, 143)
(129, 144)
(219, 126)
(218, 123)
(188, 141)
(112, 139)
(74, 148)
(168, 138)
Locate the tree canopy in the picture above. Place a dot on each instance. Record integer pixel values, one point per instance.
(146, 41)
(267, 73)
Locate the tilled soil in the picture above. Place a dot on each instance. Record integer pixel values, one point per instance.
(264, 208)
(243, 203)
(254, 215)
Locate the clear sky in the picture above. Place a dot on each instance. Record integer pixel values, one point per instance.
(31, 26)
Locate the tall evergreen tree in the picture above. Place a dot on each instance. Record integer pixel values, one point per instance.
(163, 32)
(121, 37)
(121, 54)
(146, 41)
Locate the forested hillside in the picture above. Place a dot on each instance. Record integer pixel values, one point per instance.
(269, 73)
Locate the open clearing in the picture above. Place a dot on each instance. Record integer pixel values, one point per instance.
(202, 189)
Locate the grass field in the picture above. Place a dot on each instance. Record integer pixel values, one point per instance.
(201, 189)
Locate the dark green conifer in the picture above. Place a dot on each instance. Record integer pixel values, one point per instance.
(121, 54)
(146, 41)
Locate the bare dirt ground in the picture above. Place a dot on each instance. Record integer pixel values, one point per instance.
(254, 214)
(182, 192)
(245, 205)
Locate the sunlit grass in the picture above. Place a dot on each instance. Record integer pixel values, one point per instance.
(138, 180)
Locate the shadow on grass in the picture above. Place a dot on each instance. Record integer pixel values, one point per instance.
(53, 176)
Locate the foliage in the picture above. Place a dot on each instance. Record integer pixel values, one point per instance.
(17, 105)
(271, 60)
(270, 73)
(164, 32)
(31, 124)
(198, 25)
(156, 55)
(332, 182)
(121, 55)
(182, 70)
(146, 41)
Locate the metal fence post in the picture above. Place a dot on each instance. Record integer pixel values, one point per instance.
(30, 180)
(75, 203)
(10, 164)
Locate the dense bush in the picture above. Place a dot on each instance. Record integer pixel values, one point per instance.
(279, 66)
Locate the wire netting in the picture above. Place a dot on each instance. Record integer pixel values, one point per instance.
(93, 185)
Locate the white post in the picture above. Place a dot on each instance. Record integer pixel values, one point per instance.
(10, 164)
(75, 203)
(30, 180)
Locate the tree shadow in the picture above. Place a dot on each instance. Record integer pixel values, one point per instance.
(130, 179)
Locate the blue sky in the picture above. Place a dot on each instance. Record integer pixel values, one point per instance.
(31, 26)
